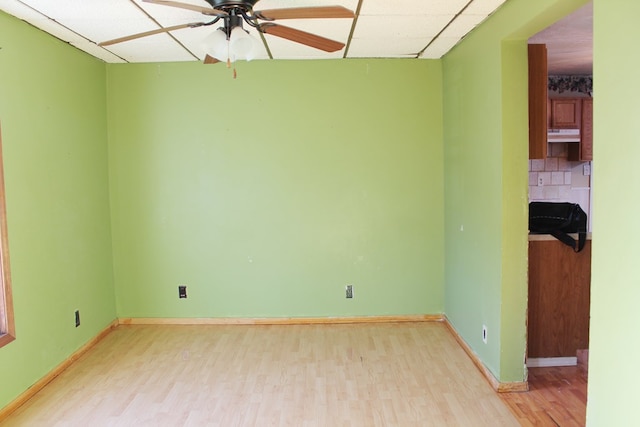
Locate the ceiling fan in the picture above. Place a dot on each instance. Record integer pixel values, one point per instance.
(233, 13)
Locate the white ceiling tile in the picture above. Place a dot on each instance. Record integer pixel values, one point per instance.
(157, 48)
(18, 9)
(401, 28)
(386, 48)
(462, 25)
(483, 7)
(96, 51)
(88, 17)
(97, 33)
(398, 27)
(412, 7)
(38, 20)
(54, 29)
(65, 9)
(439, 47)
(167, 15)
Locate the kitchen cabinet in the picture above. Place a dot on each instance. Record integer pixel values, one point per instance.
(566, 113)
(555, 113)
(559, 298)
(584, 150)
(538, 101)
(574, 113)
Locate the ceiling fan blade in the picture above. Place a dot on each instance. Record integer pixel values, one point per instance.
(149, 33)
(203, 10)
(210, 60)
(301, 37)
(305, 12)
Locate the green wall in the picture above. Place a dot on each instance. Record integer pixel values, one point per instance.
(486, 150)
(53, 114)
(269, 193)
(615, 280)
(258, 220)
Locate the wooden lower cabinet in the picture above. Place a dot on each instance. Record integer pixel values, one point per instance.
(559, 299)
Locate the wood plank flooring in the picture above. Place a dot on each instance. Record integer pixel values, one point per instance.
(408, 374)
(556, 397)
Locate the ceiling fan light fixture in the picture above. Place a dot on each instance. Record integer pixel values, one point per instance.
(239, 45)
(217, 45)
(242, 45)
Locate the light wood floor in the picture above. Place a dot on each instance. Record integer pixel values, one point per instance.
(406, 374)
(556, 397)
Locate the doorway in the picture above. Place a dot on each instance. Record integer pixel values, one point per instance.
(559, 279)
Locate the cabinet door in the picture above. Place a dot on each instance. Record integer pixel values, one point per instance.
(559, 299)
(586, 133)
(566, 113)
(583, 151)
(537, 101)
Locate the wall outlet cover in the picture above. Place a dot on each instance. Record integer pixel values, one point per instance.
(349, 291)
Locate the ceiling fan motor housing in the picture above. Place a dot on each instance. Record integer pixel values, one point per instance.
(246, 5)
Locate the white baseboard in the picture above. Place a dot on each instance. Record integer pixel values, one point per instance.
(544, 362)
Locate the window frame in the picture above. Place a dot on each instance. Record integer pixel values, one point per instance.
(7, 326)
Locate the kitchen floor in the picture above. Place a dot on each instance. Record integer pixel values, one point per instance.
(557, 397)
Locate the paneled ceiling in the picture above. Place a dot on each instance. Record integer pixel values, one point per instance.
(380, 28)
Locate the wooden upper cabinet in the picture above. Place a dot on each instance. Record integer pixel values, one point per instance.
(586, 133)
(537, 101)
(557, 113)
(566, 113)
(583, 151)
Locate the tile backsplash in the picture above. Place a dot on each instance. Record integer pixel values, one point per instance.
(556, 179)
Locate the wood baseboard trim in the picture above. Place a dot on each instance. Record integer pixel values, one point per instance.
(42, 382)
(500, 387)
(278, 320)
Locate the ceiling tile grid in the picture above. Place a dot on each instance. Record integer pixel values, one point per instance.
(380, 28)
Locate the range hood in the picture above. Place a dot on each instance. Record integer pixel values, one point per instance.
(563, 135)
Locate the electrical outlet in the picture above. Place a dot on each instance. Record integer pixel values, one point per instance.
(77, 315)
(349, 291)
(586, 169)
(540, 181)
(182, 291)
(484, 334)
